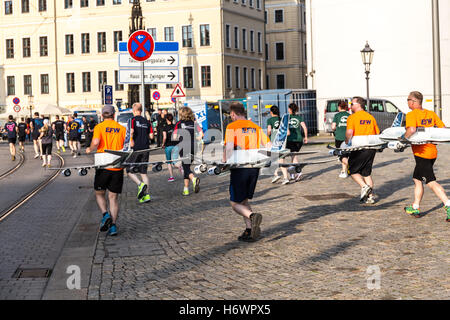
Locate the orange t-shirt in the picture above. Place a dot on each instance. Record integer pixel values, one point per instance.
(426, 119)
(245, 135)
(111, 135)
(363, 124)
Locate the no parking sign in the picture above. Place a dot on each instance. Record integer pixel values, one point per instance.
(156, 95)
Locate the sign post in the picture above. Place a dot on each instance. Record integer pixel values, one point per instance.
(161, 67)
(140, 47)
(16, 108)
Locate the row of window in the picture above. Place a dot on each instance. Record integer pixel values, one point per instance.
(169, 35)
(68, 4)
(251, 3)
(247, 36)
(248, 76)
(70, 83)
(246, 73)
(42, 5)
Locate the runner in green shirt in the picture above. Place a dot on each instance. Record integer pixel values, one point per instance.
(274, 122)
(339, 126)
(295, 140)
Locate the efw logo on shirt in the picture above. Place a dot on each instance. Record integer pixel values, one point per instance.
(363, 122)
(424, 122)
(113, 130)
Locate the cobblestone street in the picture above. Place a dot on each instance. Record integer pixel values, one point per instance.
(186, 247)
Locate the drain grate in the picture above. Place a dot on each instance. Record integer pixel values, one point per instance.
(32, 273)
(332, 196)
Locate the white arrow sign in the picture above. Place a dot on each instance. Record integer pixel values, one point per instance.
(133, 76)
(164, 60)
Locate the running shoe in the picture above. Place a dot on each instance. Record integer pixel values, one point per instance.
(447, 210)
(343, 175)
(75, 155)
(106, 222)
(79, 153)
(245, 236)
(298, 177)
(44, 164)
(171, 179)
(255, 219)
(63, 149)
(413, 212)
(49, 166)
(145, 199)
(58, 151)
(365, 191)
(36, 156)
(185, 192)
(141, 190)
(275, 179)
(112, 230)
(292, 176)
(196, 184)
(13, 158)
(285, 182)
(370, 199)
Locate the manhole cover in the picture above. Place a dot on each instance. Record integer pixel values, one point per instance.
(32, 273)
(332, 196)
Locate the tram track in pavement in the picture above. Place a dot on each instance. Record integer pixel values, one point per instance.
(16, 205)
(14, 169)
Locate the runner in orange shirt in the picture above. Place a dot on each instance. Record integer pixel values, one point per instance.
(425, 155)
(361, 123)
(243, 134)
(108, 135)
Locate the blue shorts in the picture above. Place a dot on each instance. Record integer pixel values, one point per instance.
(171, 153)
(243, 184)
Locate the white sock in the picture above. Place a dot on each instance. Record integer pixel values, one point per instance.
(416, 207)
(447, 204)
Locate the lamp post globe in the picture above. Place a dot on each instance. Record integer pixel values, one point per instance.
(367, 58)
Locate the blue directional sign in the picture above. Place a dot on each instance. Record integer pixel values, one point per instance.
(107, 94)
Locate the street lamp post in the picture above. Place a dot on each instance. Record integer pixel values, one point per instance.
(30, 102)
(367, 57)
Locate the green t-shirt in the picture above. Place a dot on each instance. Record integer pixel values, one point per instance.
(341, 125)
(295, 128)
(274, 122)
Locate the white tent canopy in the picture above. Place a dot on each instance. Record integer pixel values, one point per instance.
(50, 109)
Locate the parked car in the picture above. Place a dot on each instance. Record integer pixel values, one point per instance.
(384, 112)
(122, 117)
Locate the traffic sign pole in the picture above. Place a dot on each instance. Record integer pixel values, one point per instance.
(142, 89)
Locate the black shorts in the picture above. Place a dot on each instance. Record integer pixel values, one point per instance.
(243, 184)
(361, 162)
(35, 135)
(22, 138)
(424, 170)
(294, 146)
(73, 138)
(47, 149)
(138, 158)
(59, 136)
(12, 140)
(107, 179)
(338, 144)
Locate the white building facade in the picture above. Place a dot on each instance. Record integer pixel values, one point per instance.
(400, 33)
